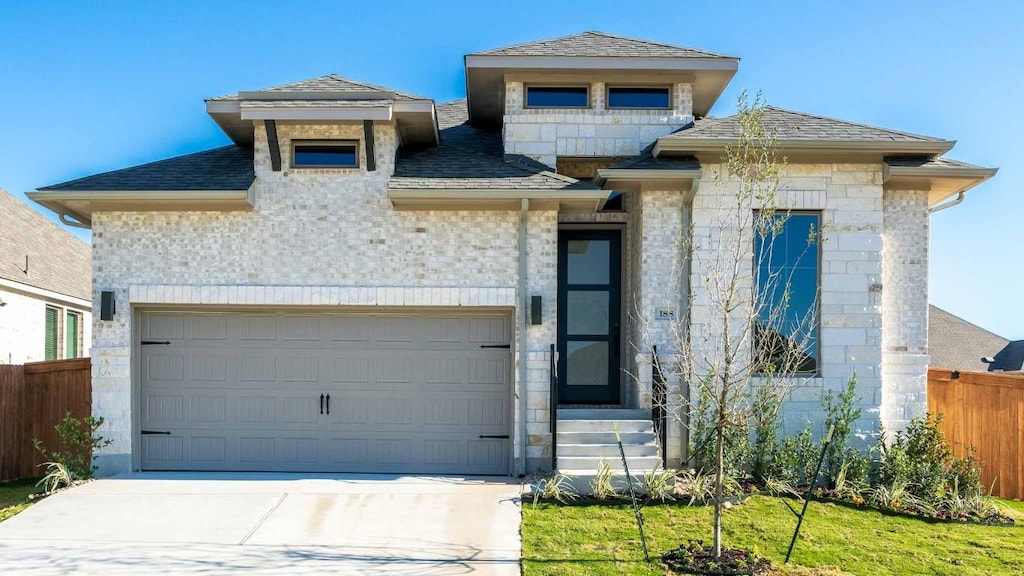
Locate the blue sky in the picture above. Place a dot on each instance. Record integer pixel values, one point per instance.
(87, 87)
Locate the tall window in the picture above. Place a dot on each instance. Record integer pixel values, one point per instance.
(72, 327)
(52, 333)
(787, 249)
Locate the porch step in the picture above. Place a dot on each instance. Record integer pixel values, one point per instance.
(602, 414)
(606, 437)
(609, 451)
(581, 425)
(591, 464)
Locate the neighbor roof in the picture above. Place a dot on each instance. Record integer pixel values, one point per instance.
(56, 260)
(226, 168)
(599, 44)
(470, 158)
(791, 125)
(328, 83)
(957, 344)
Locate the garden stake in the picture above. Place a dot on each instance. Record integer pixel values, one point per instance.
(810, 492)
(632, 495)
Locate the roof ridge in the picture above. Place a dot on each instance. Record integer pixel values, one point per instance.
(117, 170)
(983, 329)
(860, 124)
(656, 42)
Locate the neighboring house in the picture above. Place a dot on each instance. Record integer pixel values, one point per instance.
(365, 281)
(956, 344)
(45, 287)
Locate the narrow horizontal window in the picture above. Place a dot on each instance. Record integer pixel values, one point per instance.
(325, 155)
(637, 97)
(557, 97)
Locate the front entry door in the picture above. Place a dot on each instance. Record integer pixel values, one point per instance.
(589, 285)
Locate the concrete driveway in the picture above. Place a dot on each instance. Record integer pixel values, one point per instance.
(181, 523)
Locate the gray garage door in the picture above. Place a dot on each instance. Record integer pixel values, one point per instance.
(325, 393)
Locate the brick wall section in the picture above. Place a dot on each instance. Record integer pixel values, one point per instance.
(905, 307)
(319, 237)
(545, 134)
(850, 199)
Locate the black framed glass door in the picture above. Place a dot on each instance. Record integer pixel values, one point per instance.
(589, 286)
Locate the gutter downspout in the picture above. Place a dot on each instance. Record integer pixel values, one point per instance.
(950, 204)
(521, 349)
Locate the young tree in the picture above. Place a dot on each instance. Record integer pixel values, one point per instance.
(752, 326)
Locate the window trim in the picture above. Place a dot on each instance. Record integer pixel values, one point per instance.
(295, 144)
(608, 91)
(79, 317)
(526, 95)
(820, 214)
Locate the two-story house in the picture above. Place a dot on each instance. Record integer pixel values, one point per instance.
(367, 281)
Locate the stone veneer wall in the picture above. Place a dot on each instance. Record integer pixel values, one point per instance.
(315, 237)
(851, 201)
(904, 307)
(544, 134)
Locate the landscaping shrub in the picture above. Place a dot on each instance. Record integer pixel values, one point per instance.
(920, 458)
(78, 441)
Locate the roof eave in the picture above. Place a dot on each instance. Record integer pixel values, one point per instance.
(941, 183)
(416, 199)
(81, 204)
(725, 63)
(605, 175)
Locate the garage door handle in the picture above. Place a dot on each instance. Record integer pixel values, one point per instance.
(502, 436)
(321, 403)
(328, 404)
(506, 346)
(162, 432)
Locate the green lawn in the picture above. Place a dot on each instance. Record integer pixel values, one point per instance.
(14, 496)
(834, 540)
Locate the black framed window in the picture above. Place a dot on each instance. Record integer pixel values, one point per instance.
(557, 97)
(787, 270)
(639, 97)
(325, 154)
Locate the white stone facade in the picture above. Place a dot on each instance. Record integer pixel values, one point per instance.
(23, 324)
(330, 238)
(545, 134)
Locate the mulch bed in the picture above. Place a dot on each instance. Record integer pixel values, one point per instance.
(695, 558)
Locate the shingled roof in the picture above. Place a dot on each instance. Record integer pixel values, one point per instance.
(937, 162)
(328, 83)
(470, 158)
(647, 161)
(957, 344)
(226, 168)
(599, 44)
(56, 260)
(790, 125)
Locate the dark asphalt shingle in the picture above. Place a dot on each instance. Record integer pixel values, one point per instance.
(599, 44)
(57, 261)
(226, 168)
(957, 344)
(791, 125)
(471, 158)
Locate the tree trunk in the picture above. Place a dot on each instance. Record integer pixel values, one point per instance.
(719, 481)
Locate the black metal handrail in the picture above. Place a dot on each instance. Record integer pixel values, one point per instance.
(659, 411)
(553, 407)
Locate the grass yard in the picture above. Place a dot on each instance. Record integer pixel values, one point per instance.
(14, 496)
(834, 540)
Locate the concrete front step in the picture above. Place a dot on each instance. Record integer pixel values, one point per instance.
(607, 437)
(602, 414)
(607, 450)
(591, 464)
(605, 425)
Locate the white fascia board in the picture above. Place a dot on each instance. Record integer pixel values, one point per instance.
(223, 107)
(423, 106)
(137, 194)
(321, 95)
(490, 194)
(601, 63)
(45, 294)
(341, 113)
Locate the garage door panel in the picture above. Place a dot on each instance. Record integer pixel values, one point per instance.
(408, 394)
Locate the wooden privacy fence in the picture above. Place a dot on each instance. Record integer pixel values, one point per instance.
(33, 399)
(984, 410)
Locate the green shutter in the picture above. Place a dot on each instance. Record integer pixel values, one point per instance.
(51, 333)
(71, 336)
